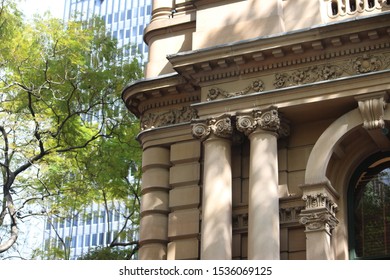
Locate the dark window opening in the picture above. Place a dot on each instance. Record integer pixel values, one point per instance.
(371, 3)
(335, 8)
(352, 5)
(369, 210)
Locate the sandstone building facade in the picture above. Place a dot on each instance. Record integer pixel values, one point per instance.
(265, 130)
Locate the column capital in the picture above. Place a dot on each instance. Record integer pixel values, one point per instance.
(219, 126)
(266, 120)
(320, 210)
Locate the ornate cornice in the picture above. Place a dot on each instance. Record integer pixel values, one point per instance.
(219, 126)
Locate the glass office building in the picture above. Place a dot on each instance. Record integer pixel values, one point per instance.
(125, 20)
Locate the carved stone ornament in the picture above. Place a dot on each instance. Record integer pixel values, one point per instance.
(266, 120)
(255, 86)
(220, 127)
(246, 124)
(359, 65)
(319, 221)
(372, 111)
(367, 63)
(319, 201)
(319, 213)
(173, 116)
(307, 75)
(289, 214)
(269, 120)
(201, 130)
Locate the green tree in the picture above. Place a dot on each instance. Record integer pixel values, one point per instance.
(65, 136)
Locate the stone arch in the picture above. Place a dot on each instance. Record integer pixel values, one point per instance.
(324, 147)
(331, 164)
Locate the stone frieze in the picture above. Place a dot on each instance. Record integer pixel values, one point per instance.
(355, 66)
(255, 86)
(170, 117)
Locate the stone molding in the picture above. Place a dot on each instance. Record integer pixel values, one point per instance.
(268, 120)
(220, 126)
(372, 109)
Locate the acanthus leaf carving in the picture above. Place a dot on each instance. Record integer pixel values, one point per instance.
(173, 116)
(359, 65)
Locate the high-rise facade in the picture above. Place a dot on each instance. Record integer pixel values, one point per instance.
(265, 130)
(125, 20)
(94, 227)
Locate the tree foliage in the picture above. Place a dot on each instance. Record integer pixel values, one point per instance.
(65, 137)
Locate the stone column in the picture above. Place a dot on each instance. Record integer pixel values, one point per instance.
(155, 204)
(263, 128)
(319, 219)
(216, 237)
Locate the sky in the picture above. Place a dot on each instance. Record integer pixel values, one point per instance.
(31, 7)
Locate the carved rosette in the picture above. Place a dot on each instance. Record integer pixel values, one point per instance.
(269, 120)
(200, 131)
(319, 213)
(220, 127)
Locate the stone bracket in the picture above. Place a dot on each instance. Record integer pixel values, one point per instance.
(372, 108)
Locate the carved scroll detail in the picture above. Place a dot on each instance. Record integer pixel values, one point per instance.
(255, 86)
(269, 120)
(220, 126)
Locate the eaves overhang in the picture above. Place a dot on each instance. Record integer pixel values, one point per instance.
(164, 90)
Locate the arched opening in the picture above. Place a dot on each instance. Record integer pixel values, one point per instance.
(335, 8)
(369, 209)
(352, 5)
(371, 3)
